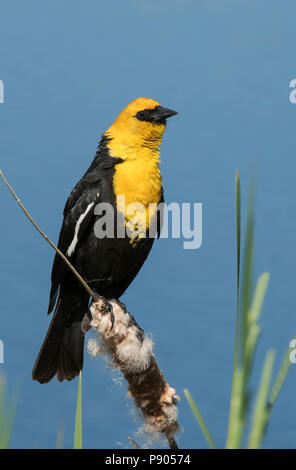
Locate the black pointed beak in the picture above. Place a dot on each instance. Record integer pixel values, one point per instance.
(165, 113)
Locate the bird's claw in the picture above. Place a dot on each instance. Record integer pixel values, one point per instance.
(109, 309)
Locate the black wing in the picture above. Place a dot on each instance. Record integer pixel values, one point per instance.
(78, 211)
(78, 219)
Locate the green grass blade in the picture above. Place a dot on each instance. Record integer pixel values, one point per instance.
(247, 273)
(2, 407)
(238, 242)
(280, 379)
(6, 437)
(60, 438)
(240, 388)
(200, 419)
(235, 425)
(260, 415)
(238, 229)
(7, 415)
(78, 418)
(234, 385)
(253, 329)
(258, 299)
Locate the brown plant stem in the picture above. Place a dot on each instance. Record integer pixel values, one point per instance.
(131, 352)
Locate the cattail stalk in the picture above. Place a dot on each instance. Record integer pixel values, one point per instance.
(132, 352)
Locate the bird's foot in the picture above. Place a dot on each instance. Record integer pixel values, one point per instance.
(109, 309)
(106, 308)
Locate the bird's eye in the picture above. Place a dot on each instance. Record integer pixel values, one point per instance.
(146, 115)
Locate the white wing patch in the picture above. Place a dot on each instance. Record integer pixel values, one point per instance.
(72, 247)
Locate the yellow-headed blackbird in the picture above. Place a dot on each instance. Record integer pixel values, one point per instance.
(125, 165)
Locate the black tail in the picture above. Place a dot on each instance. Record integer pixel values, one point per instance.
(61, 353)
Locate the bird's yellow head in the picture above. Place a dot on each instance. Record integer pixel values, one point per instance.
(140, 125)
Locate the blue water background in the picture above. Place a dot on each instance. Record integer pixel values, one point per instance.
(68, 68)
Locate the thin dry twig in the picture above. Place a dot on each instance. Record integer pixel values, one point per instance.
(131, 352)
(76, 273)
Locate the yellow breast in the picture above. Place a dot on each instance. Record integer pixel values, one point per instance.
(139, 181)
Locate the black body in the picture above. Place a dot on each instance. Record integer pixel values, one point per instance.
(108, 265)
